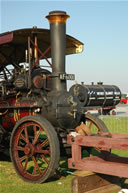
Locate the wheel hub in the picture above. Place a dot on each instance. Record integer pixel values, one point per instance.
(29, 149)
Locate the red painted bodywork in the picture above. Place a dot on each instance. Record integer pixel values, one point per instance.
(8, 120)
(6, 38)
(124, 100)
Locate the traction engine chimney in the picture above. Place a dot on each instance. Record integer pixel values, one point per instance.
(57, 20)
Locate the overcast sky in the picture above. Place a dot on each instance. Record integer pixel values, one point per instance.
(101, 25)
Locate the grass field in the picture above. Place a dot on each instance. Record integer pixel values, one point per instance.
(11, 183)
(116, 124)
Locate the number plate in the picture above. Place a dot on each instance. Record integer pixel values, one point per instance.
(67, 76)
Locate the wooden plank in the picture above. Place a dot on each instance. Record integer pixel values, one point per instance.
(98, 141)
(96, 164)
(106, 189)
(81, 184)
(76, 152)
(119, 135)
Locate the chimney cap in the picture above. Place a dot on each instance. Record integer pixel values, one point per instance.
(57, 17)
(57, 12)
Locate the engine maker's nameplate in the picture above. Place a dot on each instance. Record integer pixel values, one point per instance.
(67, 76)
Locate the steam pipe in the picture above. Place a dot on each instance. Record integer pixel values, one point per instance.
(57, 20)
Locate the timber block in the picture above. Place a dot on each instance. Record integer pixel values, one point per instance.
(87, 182)
(106, 189)
(83, 173)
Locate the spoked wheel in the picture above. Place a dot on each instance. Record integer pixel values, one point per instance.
(93, 126)
(34, 149)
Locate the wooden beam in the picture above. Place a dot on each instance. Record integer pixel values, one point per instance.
(99, 141)
(97, 164)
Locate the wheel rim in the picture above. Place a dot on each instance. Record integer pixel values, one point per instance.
(94, 128)
(31, 149)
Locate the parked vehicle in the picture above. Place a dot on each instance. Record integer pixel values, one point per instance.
(124, 100)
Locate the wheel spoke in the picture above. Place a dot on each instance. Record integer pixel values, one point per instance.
(90, 124)
(44, 158)
(34, 170)
(36, 137)
(26, 135)
(34, 127)
(36, 165)
(25, 165)
(23, 158)
(44, 143)
(16, 148)
(43, 151)
(22, 137)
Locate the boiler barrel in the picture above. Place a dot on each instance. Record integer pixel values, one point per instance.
(96, 95)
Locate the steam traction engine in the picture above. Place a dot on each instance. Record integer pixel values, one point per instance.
(36, 110)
